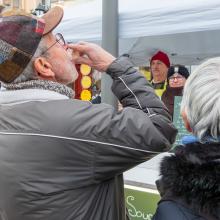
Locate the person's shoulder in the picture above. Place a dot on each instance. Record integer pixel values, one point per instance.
(171, 210)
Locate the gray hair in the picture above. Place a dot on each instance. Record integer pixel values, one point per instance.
(29, 72)
(201, 100)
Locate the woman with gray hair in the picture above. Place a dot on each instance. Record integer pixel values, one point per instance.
(190, 178)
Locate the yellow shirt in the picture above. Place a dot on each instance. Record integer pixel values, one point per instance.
(159, 88)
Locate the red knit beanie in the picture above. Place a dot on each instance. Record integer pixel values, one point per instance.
(162, 57)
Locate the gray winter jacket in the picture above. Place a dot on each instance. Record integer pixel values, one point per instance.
(63, 159)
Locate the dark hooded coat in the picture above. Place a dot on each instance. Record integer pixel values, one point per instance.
(190, 183)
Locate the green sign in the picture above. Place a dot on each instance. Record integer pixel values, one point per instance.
(141, 203)
(178, 121)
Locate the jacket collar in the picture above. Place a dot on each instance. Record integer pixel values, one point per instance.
(41, 84)
(27, 95)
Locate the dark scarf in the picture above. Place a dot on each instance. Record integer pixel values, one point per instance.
(159, 85)
(41, 84)
(192, 177)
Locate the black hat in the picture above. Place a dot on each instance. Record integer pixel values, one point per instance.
(180, 69)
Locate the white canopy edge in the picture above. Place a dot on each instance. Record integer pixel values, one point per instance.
(142, 24)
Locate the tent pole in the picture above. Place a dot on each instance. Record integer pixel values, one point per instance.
(109, 43)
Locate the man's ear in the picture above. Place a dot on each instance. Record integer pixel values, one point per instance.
(43, 68)
(186, 122)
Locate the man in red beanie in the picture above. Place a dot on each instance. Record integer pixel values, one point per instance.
(159, 65)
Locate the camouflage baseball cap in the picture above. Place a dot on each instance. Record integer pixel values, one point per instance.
(20, 36)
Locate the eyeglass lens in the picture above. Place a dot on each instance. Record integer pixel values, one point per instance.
(177, 77)
(60, 39)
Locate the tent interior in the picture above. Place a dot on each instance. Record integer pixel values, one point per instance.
(188, 31)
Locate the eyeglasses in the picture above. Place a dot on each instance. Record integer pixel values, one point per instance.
(176, 77)
(59, 39)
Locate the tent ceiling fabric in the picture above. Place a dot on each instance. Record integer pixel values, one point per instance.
(189, 31)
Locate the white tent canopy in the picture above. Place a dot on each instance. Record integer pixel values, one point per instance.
(189, 31)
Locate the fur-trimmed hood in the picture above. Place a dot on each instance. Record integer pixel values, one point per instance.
(192, 176)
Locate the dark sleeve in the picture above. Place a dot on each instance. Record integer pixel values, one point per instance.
(133, 90)
(137, 133)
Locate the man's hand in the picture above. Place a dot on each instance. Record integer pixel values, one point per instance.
(92, 55)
